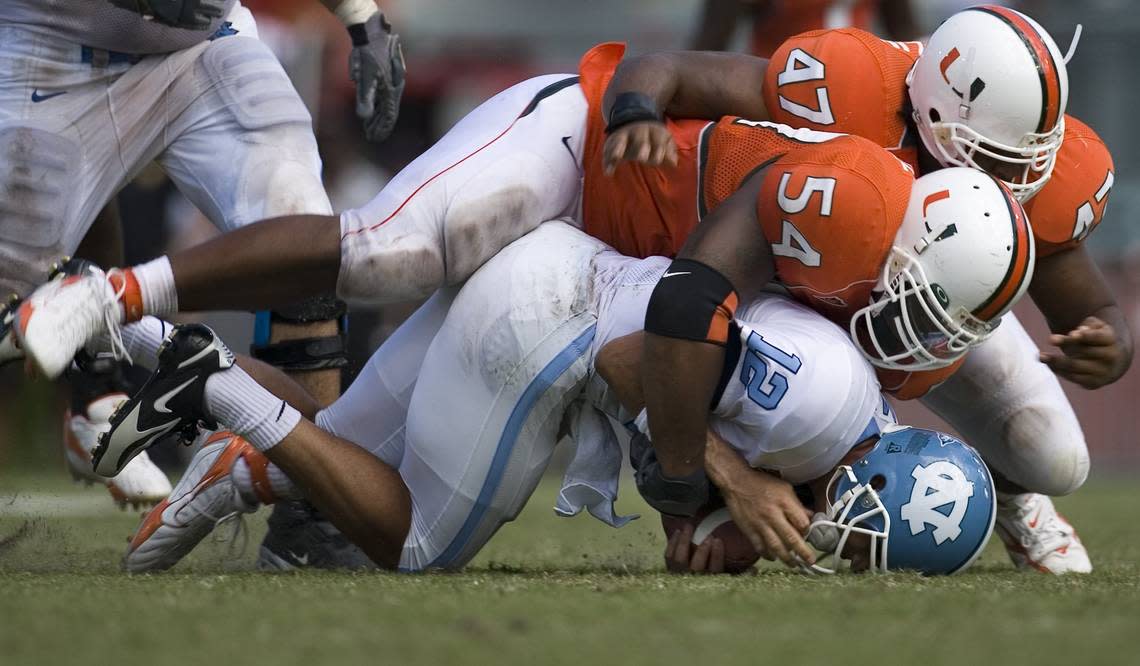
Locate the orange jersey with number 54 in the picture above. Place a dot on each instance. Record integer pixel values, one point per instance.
(830, 204)
(851, 81)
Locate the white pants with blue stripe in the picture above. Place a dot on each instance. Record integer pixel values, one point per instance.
(484, 410)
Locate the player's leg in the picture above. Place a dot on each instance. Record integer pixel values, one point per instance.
(509, 165)
(1010, 407)
(495, 175)
(509, 359)
(59, 164)
(243, 150)
(371, 413)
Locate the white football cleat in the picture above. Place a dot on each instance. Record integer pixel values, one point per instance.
(64, 314)
(206, 496)
(141, 483)
(1037, 537)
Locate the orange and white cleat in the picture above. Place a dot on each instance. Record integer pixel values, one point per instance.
(141, 483)
(1037, 537)
(64, 314)
(206, 495)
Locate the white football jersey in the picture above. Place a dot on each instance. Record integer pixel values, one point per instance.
(101, 25)
(799, 395)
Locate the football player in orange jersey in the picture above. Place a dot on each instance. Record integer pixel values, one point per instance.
(988, 91)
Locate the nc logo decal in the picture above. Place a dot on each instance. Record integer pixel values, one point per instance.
(936, 485)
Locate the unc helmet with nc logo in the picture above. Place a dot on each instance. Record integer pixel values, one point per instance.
(963, 255)
(923, 499)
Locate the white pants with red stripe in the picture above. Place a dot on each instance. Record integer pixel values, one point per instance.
(1010, 406)
(508, 166)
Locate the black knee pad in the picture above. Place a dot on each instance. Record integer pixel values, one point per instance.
(321, 353)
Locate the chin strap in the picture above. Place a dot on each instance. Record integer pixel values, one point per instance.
(1073, 44)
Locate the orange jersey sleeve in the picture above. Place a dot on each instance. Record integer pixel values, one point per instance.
(1072, 203)
(639, 211)
(831, 212)
(845, 80)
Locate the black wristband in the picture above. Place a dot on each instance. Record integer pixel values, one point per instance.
(692, 301)
(632, 107)
(358, 33)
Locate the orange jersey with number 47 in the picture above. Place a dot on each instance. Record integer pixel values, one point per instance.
(830, 205)
(851, 81)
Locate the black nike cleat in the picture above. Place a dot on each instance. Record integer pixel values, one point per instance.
(299, 537)
(171, 400)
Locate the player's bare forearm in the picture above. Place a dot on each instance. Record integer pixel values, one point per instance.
(679, 378)
(679, 375)
(363, 497)
(267, 264)
(1089, 328)
(694, 84)
(619, 363)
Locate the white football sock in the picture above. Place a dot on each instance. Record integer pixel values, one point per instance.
(156, 286)
(141, 340)
(281, 486)
(242, 405)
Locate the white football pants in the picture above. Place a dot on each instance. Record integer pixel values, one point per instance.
(508, 166)
(221, 117)
(1010, 406)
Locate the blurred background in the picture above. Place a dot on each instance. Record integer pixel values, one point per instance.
(459, 52)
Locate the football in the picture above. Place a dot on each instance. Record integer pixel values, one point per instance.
(739, 554)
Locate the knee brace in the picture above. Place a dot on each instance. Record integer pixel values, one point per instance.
(321, 353)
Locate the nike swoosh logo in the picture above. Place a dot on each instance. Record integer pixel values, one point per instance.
(160, 404)
(141, 438)
(667, 274)
(37, 97)
(303, 561)
(566, 142)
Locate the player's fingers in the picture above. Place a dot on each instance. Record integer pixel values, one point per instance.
(643, 145)
(798, 516)
(671, 151)
(1067, 365)
(700, 561)
(776, 546)
(716, 556)
(1093, 352)
(614, 150)
(794, 542)
(1100, 336)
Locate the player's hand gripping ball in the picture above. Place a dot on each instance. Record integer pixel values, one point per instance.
(709, 542)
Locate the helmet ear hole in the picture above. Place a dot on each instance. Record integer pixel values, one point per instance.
(878, 482)
(935, 116)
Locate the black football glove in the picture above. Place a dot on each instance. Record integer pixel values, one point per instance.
(188, 14)
(680, 496)
(376, 66)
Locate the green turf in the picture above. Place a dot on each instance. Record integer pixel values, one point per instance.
(546, 590)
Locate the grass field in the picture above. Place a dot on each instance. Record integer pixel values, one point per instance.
(546, 590)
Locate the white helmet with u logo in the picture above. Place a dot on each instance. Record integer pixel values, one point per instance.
(962, 257)
(989, 91)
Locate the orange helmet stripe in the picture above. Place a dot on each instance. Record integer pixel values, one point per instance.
(1047, 68)
(1018, 271)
